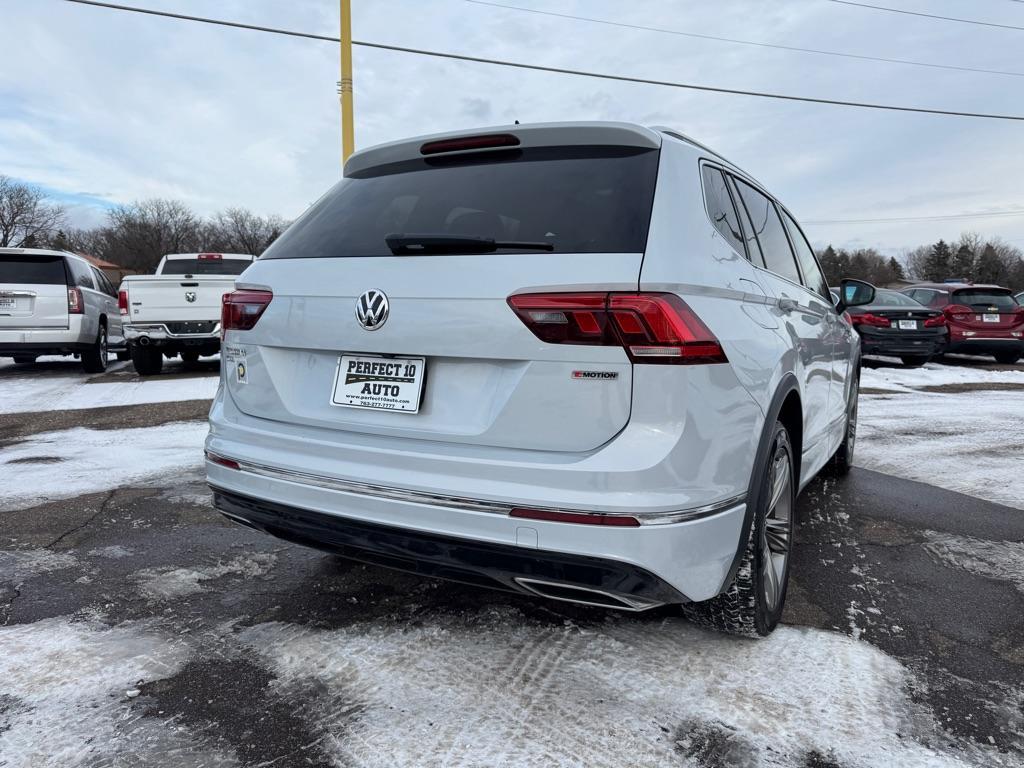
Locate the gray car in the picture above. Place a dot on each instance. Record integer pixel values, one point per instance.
(56, 303)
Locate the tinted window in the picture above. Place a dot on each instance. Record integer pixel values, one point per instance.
(893, 299)
(204, 267)
(983, 298)
(934, 298)
(81, 274)
(102, 283)
(753, 248)
(32, 269)
(720, 208)
(768, 227)
(579, 199)
(813, 278)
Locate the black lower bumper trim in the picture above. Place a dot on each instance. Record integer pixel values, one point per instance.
(9, 349)
(987, 346)
(465, 560)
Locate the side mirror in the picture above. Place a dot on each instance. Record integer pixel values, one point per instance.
(854, 293)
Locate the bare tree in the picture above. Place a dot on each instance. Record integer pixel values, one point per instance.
(242, 231)
(27, 218)
(138, 235)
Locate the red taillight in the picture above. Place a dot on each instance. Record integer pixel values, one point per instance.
(75, 304)
(122, 302)
(958, 312)
(1018, 316)
(583, 518)
(469, 142)
(241, 309)
(229, 463)
(875, 321)
(210, 256)
(933, 322)
(650, 327)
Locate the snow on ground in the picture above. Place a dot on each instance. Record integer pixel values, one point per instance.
(170, 583)
(18, 565)
(1003, 560)
(971, 442)
(501, 691)
(26, 393)
(73, 462)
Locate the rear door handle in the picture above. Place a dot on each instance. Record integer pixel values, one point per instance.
(787, 305)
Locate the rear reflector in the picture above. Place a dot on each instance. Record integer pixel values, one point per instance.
(583, 518)
(229, 463)
(75, 304)
(240, 310)
(209, 256)
(650, 327)
(469, 142)
(122, 302)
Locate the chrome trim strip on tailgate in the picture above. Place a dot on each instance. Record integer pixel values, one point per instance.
(460, 502)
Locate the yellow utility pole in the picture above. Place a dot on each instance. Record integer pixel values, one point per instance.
(348, 136)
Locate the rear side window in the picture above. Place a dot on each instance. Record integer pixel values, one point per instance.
(983, 298)
(204, 267)
(34, 270)
(81, 274)
(768, 227)
(813, 277)
(578, 199)
(753, 248)
(721, 209)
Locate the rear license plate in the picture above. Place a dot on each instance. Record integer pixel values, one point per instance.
(385, 383)
(908, 325)
(11, 303)
(990, 318)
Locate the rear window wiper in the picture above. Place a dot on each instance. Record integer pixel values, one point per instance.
(425, 244)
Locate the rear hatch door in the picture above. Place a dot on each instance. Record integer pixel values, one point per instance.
(992, 309)
(33, 291)
(487, 380)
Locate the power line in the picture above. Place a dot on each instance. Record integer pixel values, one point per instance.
(558, 70)
(776, 46)
(899, 219)
(927, 15)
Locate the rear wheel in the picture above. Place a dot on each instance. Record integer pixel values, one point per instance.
(841, 461)
(914, 360)
(24, 359)
(753, 603)
(1007, 358)
(148, 361)
(94, 360)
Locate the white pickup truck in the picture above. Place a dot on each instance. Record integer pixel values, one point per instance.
(177, 310)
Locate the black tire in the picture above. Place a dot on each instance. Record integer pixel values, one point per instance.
(841, 461)
(24, 359)
(189, 357)
(148, 361)
(123, 355)
(746, 608)
(1007, 358)
(915, 361)
(94, 359)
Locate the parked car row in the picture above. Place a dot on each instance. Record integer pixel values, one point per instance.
(922, 321)
(56, 303)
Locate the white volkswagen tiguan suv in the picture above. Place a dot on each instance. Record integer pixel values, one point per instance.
(589, 361)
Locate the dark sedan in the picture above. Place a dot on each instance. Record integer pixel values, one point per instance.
(897, 326)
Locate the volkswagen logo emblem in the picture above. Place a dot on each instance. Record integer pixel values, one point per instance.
(372, 310)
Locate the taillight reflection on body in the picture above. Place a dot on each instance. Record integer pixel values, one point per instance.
(75, 304)
(240, 310)
(650, 327)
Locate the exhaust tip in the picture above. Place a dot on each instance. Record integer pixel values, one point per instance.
(574, 593)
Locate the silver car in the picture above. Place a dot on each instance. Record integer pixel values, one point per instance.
(56, 303)
(592, 362)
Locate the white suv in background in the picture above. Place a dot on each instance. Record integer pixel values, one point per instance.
(590, 361)
(56, 303)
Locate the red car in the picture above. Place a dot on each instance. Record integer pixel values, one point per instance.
(982, 319)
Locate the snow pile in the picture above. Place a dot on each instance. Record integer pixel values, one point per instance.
(64, 685)
(1003, 560)
(934, 374)
(503, 691)
(73, 462)
(32, 393)
(169, 583)
(971, 442)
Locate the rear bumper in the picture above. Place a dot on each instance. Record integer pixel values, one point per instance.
(159, 333)
(77, 337)
(986, 345)
(897, 344)
(578, 578)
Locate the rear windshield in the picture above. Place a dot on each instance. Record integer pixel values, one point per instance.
(983, 298)
(893, 299)
(577, 199)
(204, 266)
(36, 270)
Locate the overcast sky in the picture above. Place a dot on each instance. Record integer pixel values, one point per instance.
(103, 107)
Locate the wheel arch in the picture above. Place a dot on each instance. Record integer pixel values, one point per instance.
(785, 406)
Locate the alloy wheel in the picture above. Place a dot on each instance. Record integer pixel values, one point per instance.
(778, 528)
